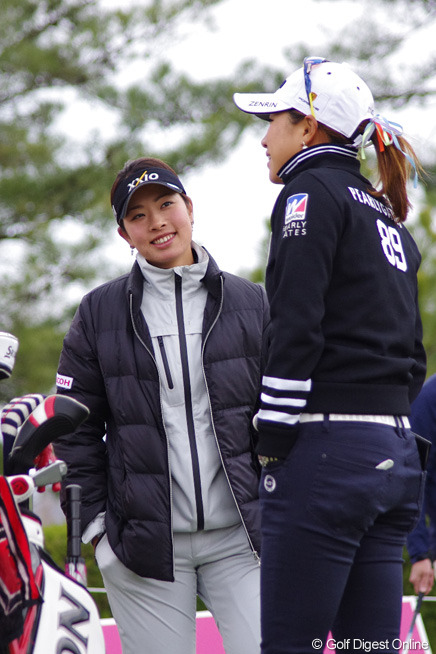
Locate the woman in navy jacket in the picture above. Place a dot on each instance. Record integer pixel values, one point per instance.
(169, 360)
(342, 477)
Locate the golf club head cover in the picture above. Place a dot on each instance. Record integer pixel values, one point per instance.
(13, 415)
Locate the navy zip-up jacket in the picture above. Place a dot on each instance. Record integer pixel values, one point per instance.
(342, 285)
(107, 362)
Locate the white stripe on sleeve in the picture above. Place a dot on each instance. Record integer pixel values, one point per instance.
(282, 401)
(276, 416)
(287, 384)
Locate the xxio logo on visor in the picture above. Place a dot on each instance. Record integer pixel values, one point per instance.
(152, 177)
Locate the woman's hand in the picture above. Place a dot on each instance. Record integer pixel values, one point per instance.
(422, 576)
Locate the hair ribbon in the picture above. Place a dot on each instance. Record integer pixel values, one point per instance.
(386, 133)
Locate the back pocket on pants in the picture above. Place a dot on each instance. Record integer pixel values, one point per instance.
(346, 496)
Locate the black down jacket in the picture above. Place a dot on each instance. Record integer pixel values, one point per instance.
(107, 362)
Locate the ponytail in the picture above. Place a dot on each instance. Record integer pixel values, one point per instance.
(395, 161)
(394, 167)
(395, 158)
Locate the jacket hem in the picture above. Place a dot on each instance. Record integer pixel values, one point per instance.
(372, 399)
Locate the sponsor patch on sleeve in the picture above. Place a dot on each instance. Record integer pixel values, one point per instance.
(295, 215)
(296, 207)
(64, 382)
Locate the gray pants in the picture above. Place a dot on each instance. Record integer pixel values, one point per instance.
(158, 617)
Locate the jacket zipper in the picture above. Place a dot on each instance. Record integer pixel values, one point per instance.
(253, 549)
(255, 553)
(188, 403)
(163, 423)
(165, 362)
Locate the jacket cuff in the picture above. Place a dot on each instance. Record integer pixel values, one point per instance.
(94, 528)
(275, 441)
(422, 557)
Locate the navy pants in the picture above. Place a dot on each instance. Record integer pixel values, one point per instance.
(333, 530)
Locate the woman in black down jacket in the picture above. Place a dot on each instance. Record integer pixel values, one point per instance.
(169, 361)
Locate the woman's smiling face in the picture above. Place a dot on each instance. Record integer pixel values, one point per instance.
(158, 223)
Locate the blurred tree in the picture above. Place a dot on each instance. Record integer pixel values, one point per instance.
(55, 54)
(54, 183)
(391, 45)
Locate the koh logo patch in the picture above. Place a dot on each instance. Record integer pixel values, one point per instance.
(296, 206)
(63, 381)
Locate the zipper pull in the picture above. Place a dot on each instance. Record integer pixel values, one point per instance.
(165, 362)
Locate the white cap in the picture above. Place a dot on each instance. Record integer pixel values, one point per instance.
(341, 99)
